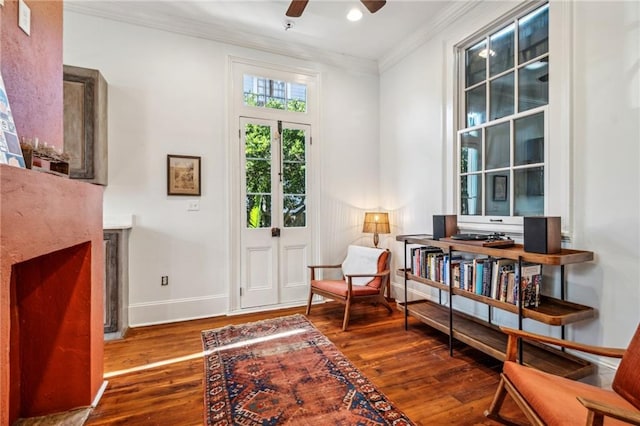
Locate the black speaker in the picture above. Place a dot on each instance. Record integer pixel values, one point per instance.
(542, 234)
(444, 226)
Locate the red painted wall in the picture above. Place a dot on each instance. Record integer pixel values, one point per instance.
(32, 69)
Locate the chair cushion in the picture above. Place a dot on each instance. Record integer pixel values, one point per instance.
(361, 260)
(626, 381)
(339, 287)
(554, 398)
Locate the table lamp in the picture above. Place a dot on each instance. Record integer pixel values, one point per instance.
(376, 223)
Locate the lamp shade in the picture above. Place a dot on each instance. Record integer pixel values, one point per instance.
(376, 223)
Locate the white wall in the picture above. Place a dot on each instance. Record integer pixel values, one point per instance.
(604, 66)
(167, 94)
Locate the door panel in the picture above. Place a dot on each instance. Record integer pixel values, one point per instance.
(260, 262)
(294, 273)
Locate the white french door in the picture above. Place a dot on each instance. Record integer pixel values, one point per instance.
(275, 224)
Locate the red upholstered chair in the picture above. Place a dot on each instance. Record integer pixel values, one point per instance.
(346, 290)
(546, 399)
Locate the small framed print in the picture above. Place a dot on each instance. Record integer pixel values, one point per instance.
(500, 188)
(183, 175)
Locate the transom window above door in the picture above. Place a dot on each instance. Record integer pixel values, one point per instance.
(502, 131)
(276, 94)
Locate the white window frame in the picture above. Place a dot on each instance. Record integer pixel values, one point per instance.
(558, 124)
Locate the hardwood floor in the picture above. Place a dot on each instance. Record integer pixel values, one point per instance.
(156, 373)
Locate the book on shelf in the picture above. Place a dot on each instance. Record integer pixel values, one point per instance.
(530, 281)
(499, 266)
(486, 277)
(477, 271)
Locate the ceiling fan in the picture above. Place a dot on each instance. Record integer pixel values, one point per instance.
(297, 6)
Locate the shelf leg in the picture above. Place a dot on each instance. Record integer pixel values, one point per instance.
(406, 303)
(520, 301)
(562, 297)
(450, 305)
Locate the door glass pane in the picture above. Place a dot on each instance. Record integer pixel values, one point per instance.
(295, 211)
(258, 211)
(529, 191)
(497, 201)
(498, 146)
(501, 45)
(258, 175)
(533, 34)
(258, 141)
(529, 140)
(471, 152)
(501, 96)
(293, 148)
(533, 85)
(294, 178)
(471, 194)
(476, 106)
(476, 69)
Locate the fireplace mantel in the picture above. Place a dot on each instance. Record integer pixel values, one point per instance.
(41, 214)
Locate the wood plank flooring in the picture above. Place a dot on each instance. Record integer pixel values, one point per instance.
(156, 373)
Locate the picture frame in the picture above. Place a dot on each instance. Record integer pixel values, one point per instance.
(183, 175)
(500, 188)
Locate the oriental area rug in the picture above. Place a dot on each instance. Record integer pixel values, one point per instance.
(284, 371)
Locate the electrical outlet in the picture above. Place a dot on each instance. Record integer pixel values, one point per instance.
(193, 206)
(164, 280)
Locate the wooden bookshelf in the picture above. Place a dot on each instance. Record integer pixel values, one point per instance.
(485, 336)
(489, 339)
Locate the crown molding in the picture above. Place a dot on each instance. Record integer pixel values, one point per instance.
(222, 32)
(411, 43)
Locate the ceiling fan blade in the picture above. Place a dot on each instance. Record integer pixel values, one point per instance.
(373, 5)
(296, 8)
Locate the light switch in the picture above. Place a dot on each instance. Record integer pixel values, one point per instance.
(24, 17)
(193, 206)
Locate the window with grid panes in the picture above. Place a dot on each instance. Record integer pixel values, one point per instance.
(502, 131)
(267, 93)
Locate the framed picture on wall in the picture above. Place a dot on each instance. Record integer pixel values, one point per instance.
(499, 188)
(183, 175)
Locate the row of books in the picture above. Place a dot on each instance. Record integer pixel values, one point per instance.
(490, 277)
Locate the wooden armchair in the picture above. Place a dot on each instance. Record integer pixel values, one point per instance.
(353, 287)
(547, 399)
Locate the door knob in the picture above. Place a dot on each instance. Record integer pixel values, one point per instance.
(275, 232)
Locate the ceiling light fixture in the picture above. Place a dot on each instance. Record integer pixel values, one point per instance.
(486, 52)
(354, 15)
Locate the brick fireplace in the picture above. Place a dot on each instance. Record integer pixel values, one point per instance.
(51, 307)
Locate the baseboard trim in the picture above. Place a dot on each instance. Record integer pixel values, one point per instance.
(99, 394)
(168, 311)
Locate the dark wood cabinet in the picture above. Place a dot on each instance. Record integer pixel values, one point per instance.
(116, 282)
(85, 124)
(111, 287)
